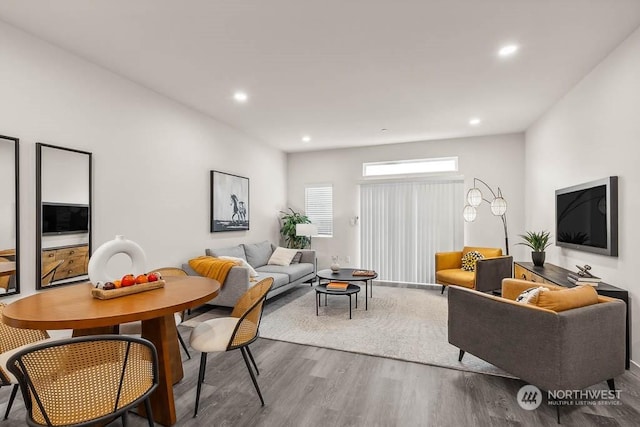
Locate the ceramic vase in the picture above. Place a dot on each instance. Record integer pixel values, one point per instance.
(537, 258)
(335, 266)
(100, 258)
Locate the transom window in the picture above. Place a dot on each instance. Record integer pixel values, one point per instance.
(410, 167)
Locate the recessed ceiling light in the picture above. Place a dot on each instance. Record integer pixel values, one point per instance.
(306, 138)
(508, 50)
(474, 121)
(240, 96)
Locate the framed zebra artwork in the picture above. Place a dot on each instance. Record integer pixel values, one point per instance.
(229, 202)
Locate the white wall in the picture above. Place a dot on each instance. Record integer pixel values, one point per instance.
(152, 156)
(497, 159)
(591, 133)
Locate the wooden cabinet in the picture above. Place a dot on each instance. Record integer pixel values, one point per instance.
(520, 272)
(64, 263)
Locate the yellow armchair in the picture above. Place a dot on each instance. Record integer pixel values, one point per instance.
(489, 271)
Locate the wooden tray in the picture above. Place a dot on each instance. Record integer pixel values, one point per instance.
(364, 273)
(120, 292)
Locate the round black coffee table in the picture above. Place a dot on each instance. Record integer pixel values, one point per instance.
(350, 290)
(346, 275)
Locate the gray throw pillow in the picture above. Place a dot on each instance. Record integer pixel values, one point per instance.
(297, 257)
(258, 254)
(234, 251)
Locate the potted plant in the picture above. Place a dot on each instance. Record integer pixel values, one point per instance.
(288, 229)
(538, 241)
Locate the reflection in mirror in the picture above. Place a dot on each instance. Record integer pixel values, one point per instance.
(63, 192)
(9, 217)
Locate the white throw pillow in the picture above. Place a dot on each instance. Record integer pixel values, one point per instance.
(282, 256)
(530, 296)
(242, 263)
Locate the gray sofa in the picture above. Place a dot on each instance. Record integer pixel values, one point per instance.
(257, 255)
(567, 350)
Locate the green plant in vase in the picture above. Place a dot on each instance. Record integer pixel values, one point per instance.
(289, 221)
(538, 241)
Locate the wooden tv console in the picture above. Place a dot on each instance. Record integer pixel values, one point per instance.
(555, 275)
(74, 258)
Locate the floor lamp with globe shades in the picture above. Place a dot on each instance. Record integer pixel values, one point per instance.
(498, 206)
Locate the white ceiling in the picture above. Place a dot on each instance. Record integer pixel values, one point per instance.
(341, 70)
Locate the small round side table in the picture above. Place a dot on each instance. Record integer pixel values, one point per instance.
(350, 290)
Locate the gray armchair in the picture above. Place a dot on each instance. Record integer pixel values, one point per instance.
(567, 350)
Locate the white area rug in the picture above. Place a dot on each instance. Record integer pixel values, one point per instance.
(401, 323)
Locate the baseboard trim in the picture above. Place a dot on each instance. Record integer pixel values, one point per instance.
(406, 284)
(634, 368)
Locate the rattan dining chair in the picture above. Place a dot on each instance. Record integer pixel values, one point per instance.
(230, 333)
(86, 380)
(12, 340)
(135, 328)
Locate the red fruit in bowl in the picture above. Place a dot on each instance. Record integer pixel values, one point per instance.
(153, 277)
(128, 280)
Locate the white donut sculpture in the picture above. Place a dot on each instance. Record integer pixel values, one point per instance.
(102, 255)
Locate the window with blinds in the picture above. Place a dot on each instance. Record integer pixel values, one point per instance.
(318, 206)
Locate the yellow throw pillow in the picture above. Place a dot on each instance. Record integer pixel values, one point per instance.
(566, 299)
(470, 259)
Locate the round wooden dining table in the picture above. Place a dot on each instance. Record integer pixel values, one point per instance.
(73, 307)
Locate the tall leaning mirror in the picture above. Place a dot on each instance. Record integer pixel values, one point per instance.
(63, 215)
(9, 217)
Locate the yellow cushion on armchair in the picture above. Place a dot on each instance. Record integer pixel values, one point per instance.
(567, 299)
(486, 252)
(554, 298)
(457, 276)
(448, 260)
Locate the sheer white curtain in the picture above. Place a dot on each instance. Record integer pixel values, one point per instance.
(403, 224)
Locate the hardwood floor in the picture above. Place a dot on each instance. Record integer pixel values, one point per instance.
(311, 386)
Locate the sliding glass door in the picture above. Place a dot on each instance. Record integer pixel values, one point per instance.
(403, 224)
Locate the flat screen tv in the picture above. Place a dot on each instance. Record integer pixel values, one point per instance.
(58, 218)
(587, 216)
